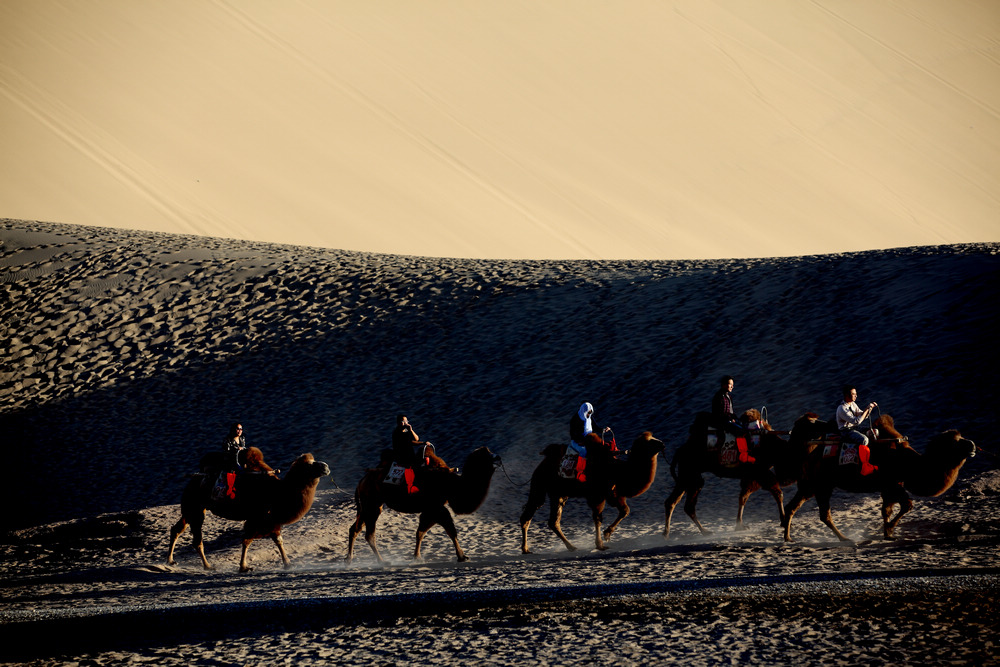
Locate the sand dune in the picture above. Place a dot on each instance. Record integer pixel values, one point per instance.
(514, 130)
(128, 353)
(266, 213)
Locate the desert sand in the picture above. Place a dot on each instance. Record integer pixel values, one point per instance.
(128, 353)
(512, 130)
(310, 217)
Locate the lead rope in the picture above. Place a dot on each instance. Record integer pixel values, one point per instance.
(502, 467)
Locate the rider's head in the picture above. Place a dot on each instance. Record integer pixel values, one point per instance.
(849, 392)
(236, 430)
(726, 382)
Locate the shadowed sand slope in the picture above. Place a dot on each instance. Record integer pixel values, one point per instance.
(509, 130)
(127, 354)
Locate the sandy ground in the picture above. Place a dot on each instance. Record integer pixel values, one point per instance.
(645, 129)
(126, 355)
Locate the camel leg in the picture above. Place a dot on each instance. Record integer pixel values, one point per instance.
(797, 501)
(690, 508)
(198, 537)
(597, 512)
(278, 542)
(536, 498)
(747, 487)
(444, 518)
(889, 499)
(623, 512)
(555, 520)
(244, 565)
(823, 498)
(352, 535)
(175, 532)
(669, 504)
(370, 522)
(427, 521)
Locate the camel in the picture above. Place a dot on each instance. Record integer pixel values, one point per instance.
(264, 503)
(438, 487)
(609, 480)
(694, 457)
(901, 470)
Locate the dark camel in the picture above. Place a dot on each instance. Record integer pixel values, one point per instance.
(608, 480)
(264, 503)
(901, 471)
(694, 458)
(438, 487)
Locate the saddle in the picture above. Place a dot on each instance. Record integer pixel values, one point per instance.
(403, 476)
(732, 450)
(847, 453)
(572, 466)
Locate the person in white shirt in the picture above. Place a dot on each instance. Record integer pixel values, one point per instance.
(849, 417)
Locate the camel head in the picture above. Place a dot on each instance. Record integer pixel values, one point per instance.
(306, 469)
(951, 446)
(887, 428)
(809, 426)
(646, 444)
(482, 459)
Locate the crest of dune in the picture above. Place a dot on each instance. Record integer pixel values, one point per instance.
(659, 130)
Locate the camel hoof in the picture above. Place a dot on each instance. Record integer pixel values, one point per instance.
(171, 562)
(246, 569)
(603, 547)
(463, 559)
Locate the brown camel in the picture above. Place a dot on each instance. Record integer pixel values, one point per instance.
(768, 471)
(608, 480)
(263, 502)
(438, 486)
(901, 469)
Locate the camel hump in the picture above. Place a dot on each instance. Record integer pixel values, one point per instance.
(255, 461)
(555, 449)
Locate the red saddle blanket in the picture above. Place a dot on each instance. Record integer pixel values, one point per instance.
(731, 449)
(848, 453)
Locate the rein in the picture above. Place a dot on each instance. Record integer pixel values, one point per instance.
(504, 469)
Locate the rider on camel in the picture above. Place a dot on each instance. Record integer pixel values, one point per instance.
(849, 416)
(405, 442)
(724, 417)
(580, 426)
(235, 447)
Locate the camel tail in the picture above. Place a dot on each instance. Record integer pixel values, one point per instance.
(673, 464)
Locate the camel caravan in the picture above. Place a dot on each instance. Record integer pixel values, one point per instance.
(816, 456)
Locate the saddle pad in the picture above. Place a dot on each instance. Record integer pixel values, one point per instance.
(396, 475)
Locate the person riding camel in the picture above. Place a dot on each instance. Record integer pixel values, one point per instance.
(235, 447)
(724, 418)
(406, 444)
(580, 426)
(849, 416)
